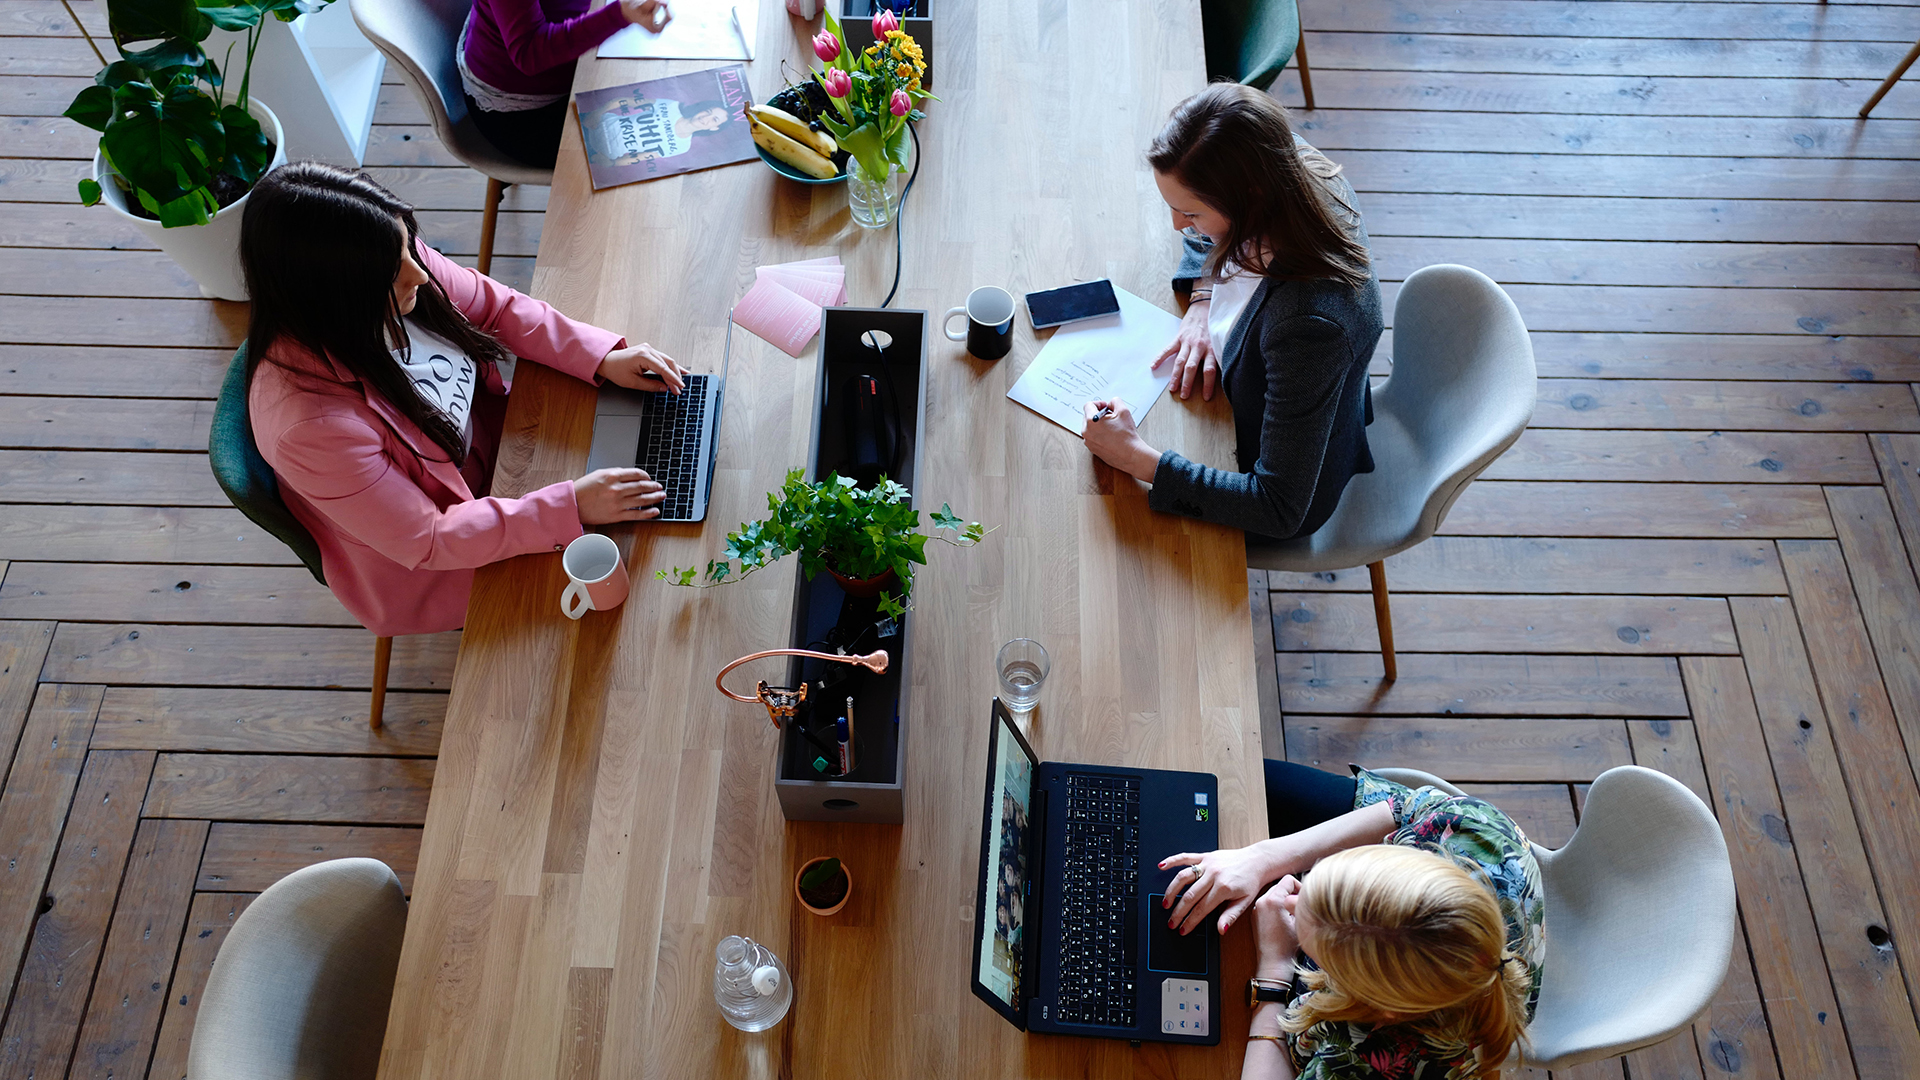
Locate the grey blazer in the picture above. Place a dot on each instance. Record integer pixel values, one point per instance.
(1295, 372)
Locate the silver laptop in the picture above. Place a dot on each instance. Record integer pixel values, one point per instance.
(672, 436)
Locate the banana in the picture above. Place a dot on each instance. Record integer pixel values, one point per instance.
(791, 152)
(796, 129)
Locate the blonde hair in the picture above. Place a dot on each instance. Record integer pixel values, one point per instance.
(1409, 937)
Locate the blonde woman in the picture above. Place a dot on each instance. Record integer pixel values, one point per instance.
(1411, 950)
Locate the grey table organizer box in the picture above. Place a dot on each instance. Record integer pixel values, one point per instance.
(874, 790)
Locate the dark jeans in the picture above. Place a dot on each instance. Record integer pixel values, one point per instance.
(1299, 797)
(531, 137)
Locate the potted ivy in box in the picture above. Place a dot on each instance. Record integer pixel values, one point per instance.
(866, 538)
(177, 153)
(823, 885)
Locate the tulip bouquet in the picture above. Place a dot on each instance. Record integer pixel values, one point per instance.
(875, 93)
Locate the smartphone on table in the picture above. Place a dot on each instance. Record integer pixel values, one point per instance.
(1057, 307)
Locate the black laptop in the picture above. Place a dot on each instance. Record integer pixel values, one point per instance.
(1072, 937)
(672, 436)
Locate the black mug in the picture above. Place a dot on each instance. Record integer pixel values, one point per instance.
(989, 313)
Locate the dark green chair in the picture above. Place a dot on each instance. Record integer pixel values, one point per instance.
(251, 486)
(1250, 41)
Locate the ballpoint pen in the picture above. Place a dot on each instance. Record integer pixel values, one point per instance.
(734, 12)
(1105, 412)
(846, 745)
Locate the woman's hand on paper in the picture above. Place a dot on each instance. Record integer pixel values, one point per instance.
(1112, 437)
(643, 367)
(605, 496)
(643, 13)
(1192, 354)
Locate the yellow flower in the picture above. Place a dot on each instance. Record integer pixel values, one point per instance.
(905, 71)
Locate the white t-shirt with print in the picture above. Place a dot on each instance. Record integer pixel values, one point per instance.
(442, 375)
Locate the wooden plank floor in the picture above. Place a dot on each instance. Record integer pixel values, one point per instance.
(1699, 560)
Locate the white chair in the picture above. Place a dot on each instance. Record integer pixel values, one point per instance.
(1640, 918)
(420, 36)
(300, 988)
(1461, 391)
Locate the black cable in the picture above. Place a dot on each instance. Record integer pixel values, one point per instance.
(899, 212)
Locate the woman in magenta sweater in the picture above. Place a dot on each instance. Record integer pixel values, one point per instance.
(516, 65)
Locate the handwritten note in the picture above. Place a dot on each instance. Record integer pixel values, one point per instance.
(1100, 359)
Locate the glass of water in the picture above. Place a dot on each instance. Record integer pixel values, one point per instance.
(1023, 667)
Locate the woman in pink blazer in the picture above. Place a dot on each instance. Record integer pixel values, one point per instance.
(376, 396)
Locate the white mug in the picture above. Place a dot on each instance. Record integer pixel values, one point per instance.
(596, 577)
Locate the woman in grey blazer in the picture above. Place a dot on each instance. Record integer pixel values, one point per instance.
(1285, 315)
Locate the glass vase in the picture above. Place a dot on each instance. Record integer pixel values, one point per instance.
(874, 202)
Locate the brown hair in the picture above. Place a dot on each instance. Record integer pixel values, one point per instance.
(1231, 145)
(1409, 937)
(321, 248)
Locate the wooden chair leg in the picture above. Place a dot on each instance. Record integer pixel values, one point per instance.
(1306, 76)
(1912, 55)
(382, 656)
(489, 217)
(1383, 617)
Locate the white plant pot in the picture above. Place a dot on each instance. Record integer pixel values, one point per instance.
(209, 253)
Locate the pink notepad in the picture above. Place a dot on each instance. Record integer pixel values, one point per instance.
(784, 305)
(779, 315)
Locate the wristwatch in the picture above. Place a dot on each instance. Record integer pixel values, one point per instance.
(1263, 990)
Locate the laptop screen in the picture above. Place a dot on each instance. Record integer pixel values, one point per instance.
(999, 952)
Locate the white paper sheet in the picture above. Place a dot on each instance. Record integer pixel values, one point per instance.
(1100, 359)
(700, 30)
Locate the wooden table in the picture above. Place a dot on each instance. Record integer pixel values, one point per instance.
(601, 818)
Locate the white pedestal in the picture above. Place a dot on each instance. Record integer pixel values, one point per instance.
(317, 73)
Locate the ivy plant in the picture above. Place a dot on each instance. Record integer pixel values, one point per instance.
(859, 533)
(164, 128)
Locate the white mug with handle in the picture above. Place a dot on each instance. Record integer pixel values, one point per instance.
(596, 576)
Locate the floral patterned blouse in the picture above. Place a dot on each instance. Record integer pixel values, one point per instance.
(1465, 828)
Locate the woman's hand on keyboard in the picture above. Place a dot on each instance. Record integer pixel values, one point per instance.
(608, 495)
(1227, 879)
(643, 367)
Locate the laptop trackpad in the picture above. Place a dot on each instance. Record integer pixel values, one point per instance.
(1167, 950)
(616, 442)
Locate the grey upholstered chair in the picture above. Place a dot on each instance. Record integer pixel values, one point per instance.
(300, 988)
(1461, 391)
(420, 37)
(1250, 41)
(1640, 918)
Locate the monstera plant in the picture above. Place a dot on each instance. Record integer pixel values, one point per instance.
(178, 137)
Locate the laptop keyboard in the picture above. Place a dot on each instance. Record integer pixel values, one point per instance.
(1100, 912)
(670, 444)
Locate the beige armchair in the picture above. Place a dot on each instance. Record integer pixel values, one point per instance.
(300, 988)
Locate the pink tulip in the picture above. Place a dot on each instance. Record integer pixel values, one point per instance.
(901, 103)
(826, 46)
(883, 23)
(837, 83)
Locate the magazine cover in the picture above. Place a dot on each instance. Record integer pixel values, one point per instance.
(666, 126)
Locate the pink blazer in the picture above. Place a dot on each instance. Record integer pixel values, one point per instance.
(400, 532)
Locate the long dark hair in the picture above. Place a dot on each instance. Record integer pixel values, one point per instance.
(321, 252)
(1232, 146)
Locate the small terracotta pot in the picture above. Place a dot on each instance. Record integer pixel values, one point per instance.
(848, 874)
(863, 587)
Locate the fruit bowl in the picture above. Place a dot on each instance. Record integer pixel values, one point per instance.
(792, 173)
